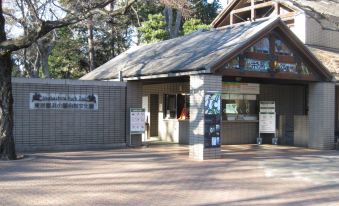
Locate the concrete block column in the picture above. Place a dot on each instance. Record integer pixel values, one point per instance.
(199, 85)
(133, 100)
(321, 115)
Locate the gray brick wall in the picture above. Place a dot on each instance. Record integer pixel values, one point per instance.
(199, 85)
(321, 115)
(51, 129)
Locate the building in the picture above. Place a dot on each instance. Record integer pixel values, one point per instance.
(205, 89)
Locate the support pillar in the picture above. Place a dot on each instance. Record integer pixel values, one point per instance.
(321, 115)
(199, 85)
(133, 100)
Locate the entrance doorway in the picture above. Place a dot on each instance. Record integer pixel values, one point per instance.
(154, 111)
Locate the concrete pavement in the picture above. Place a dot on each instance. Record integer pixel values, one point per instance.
(163, 175)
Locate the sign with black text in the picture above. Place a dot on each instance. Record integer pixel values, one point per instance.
(137, 120)
(39, 100)
(267, 122)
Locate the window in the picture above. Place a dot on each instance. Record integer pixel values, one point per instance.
(281, 48)
(239, 107)
(263, 46)
(183, 106)
(176, 106)
(170, 106)
(257, 65)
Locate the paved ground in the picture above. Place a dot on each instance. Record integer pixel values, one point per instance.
(162, 175)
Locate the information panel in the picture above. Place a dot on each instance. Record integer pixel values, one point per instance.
(267, 120)
(60, 101)
(212, 115)
(137, 120)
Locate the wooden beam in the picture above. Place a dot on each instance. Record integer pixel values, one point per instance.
(257, 6)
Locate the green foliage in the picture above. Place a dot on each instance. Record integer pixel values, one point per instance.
(193, 25)
(205, 11)
(154, 29)
(67, 60)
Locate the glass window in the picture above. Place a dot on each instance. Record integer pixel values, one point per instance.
(239, 107)
(257, 65)
(263, 46)
(233, 64)
(176, 106)
(170, 106)
(183, 106)
(284, 67)
(281, 48)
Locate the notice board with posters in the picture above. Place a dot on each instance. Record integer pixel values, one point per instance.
(267, 119)
(137, 120)
(212, 115)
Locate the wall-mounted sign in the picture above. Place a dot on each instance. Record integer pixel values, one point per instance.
(267, 121)
(39, 100)
(240, 88)
(137, 120)
(212, 115)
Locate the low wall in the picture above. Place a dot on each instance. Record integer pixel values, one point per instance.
(61, 126)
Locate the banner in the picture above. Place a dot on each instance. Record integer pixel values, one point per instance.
(212, 116)
(39, 100)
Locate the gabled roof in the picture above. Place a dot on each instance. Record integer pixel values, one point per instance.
(199, 52)
(324, 11)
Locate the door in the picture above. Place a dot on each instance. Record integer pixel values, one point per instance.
(154, 111)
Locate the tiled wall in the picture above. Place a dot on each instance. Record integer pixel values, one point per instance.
(199, 85)
(321, 115)
(62, 129)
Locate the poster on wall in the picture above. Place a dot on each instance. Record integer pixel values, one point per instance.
(212, 115)
(137, 120)
(39, 100)
(267, 121)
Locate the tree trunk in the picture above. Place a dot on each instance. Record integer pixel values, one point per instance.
(169, 20)
(177, 24)
(7, 146)
(172, 27)
(90, 44)
(112, 32)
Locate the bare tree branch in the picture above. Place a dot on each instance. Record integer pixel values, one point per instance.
(46, 26)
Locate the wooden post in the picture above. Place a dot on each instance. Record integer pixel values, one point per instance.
(231, 18)
(276, 8)
(252, 10)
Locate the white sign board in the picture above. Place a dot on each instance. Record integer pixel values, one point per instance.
(241, 88)
(39, 100)
(267, 121)
(137, 120)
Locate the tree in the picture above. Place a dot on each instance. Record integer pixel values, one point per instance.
(192, 25)
(154, 30)
(40, 27)
(205, 11)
